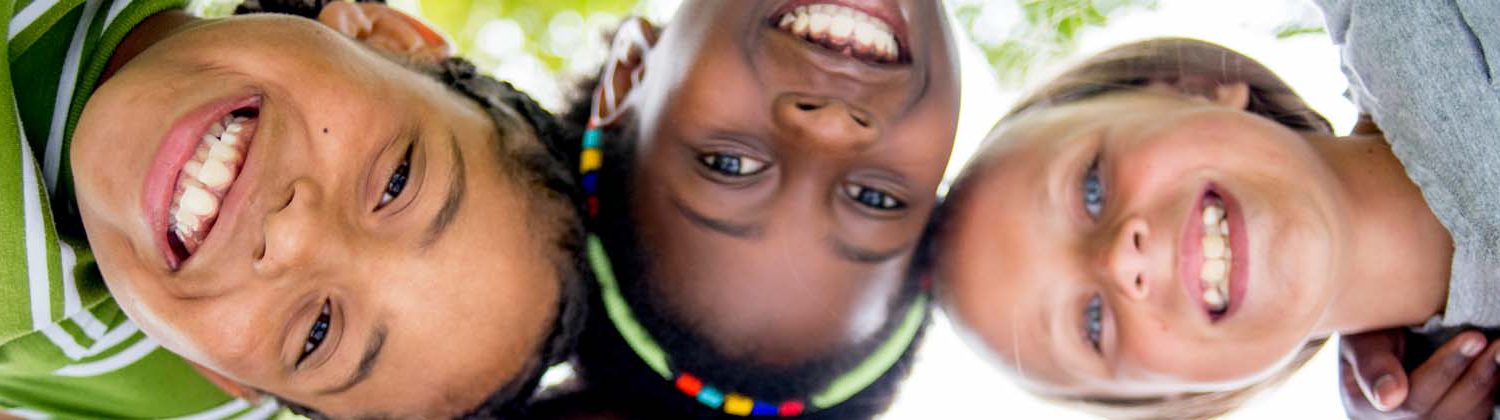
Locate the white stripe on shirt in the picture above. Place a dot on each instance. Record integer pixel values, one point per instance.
(28, 16)
(124, 358)
(66, 84)
(114, 11)
(221, 412)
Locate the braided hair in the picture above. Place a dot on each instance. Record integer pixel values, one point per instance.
(543, 168)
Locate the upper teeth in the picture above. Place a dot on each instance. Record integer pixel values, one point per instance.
(206, 178)
(1216, 255)
(840, 27)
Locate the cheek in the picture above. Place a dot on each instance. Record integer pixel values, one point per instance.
(1159, 354)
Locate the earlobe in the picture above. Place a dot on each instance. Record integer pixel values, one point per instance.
(229, 386)
(623, 71)
(386, 29)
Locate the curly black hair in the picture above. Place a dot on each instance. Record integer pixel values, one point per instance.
(543, 168)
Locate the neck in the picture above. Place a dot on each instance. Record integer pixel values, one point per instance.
(150, 31)
(1396, 258)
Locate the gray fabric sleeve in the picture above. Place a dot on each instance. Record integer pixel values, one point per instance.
(1428, 71)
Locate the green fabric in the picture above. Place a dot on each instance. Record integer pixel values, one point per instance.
(66, 348)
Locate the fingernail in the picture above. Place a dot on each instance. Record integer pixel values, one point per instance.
(1383, 387)
(1471, 348)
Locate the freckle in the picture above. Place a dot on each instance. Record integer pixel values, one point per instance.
(325, 130)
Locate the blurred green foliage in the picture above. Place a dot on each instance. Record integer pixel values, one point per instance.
(1044, 29)
(464, 19)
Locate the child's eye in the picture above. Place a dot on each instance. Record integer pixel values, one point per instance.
(1093, 190)
(1093, 325)
(872, 198)
(732, 165)
(317, 333)
(397, 183)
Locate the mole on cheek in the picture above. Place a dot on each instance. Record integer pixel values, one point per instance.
(325, 130)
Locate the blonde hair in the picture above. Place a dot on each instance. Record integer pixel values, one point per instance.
(1186, 64)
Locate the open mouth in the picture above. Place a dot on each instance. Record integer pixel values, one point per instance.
(205, 178)
(1217, 254)
(867, 35)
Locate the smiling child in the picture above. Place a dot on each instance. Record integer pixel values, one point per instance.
(356, 232)
(760, 172)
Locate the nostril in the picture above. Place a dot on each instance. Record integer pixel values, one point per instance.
(807, 106)
(861, 121)
(260, 252)
(1136, 237)
(1139, 281)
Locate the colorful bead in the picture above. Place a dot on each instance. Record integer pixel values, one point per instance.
(591, 138)
(763, 409)
(591, 183)
(738, 405)
(711, 397)
(790, 408)
(593, 207)
(591, 160)
(689, 384)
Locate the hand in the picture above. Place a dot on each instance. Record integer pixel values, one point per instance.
(1457, 382)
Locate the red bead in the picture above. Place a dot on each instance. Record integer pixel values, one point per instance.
(689, 384)
(790, 408)
(593, 206)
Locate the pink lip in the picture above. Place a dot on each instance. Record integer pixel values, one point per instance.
(886, 11)
(175, 150)
(1190, 254)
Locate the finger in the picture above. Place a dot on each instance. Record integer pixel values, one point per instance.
(1473, 391)
(1431, 380)
(1356, 404)
(1376, 367)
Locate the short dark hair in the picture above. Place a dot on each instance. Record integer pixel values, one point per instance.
(610, 368)
(542, 168)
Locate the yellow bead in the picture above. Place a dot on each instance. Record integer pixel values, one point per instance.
(591, 160)
(738, 405)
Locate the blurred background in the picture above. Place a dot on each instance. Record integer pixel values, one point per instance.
(546, 46)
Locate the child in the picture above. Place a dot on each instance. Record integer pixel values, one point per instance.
(292, 213)
(1167, 229)
(760, 173)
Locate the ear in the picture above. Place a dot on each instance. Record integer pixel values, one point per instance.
(229, 386)
(623, 71)
(1231, 94)
(386, 29)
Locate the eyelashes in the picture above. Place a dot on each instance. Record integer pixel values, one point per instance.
(1093, 324)
(1093, 190)
(397, 182)
(873, 198)
(317, 333)
(732, 165)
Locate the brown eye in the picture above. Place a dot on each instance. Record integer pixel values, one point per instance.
(732, 165)
(397, 182)
(317, 333)
(873, 198)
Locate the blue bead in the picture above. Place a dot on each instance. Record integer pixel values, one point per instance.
(763, 409)
(711, 397)
(591, 138)
(591, 182)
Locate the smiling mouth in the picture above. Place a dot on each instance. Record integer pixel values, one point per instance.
(1214, 274)
(206, 178)
(845, 30)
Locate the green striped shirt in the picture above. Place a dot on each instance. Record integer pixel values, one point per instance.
(66, 349)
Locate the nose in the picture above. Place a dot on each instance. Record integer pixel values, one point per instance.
(1126, 261)
(293, 236)
(826, 123)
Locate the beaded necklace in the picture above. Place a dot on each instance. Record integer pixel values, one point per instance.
(639, 339)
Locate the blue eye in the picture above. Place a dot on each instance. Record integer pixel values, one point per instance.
(1093, 190)
(1093, 325)
(731, 165)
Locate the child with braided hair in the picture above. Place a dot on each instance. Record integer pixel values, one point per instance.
(264, 204)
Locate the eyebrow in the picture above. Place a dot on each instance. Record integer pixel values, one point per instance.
(445, 215)
(366, 363)
(745, 231)
(855, 254)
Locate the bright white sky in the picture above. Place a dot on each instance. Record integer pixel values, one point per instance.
(950, 382)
